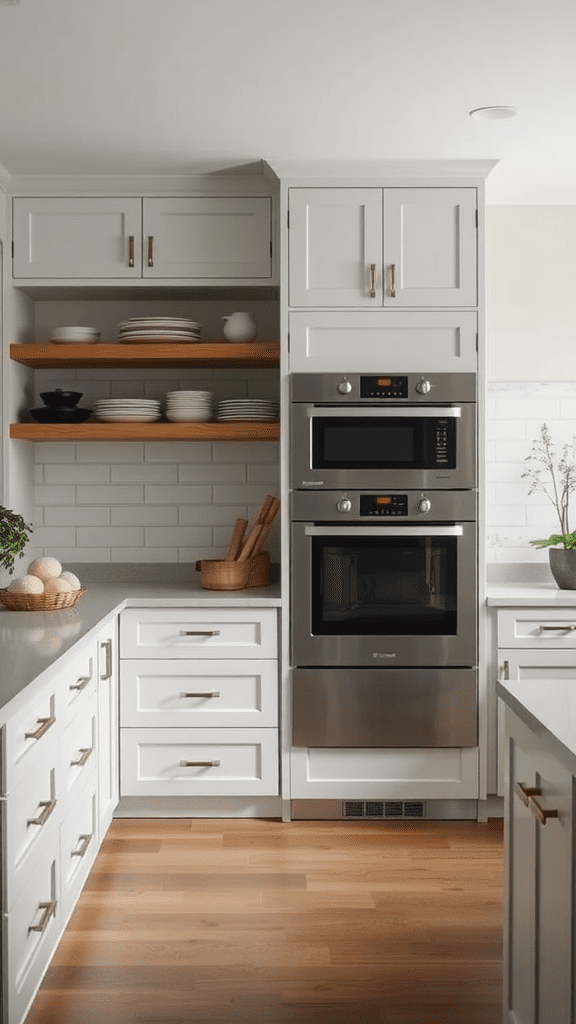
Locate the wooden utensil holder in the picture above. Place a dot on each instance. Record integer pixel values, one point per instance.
(218, 574)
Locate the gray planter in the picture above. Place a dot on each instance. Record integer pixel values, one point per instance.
(563, 567)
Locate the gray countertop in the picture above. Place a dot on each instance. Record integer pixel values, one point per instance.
(548, 708)
(31, 643)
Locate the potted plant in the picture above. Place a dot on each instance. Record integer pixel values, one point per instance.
(14, 536)
(555, 476)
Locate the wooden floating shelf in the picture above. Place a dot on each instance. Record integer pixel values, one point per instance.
(46, 355)
(244, 431)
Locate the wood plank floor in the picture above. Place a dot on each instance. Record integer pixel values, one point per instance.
(263, 922)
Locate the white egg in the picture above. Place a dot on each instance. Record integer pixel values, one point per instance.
(27, 585)
(46, 568)
(72, 580)
(57, 586)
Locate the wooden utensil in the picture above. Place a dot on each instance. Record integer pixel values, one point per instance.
(251, 542)
(236, 540)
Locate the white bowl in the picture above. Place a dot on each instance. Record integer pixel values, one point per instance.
(188, 417)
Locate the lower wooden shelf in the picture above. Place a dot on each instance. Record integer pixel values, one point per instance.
(241, 431)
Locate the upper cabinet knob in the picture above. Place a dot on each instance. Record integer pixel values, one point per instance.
(344, 387)
(423, 387)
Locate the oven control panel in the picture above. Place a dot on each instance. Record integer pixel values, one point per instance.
(383, 504)
(383, 387)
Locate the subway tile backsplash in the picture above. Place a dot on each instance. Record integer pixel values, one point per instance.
(515, 414)
(151, 502)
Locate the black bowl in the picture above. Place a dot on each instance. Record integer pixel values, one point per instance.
(61, 399)
(62, 415)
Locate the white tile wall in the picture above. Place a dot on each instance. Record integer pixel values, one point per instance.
(157, 502)
(515, 413)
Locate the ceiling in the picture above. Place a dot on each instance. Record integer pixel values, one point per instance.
(186, 86)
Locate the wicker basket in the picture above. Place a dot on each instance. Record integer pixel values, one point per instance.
(218, 574)
(39, 602)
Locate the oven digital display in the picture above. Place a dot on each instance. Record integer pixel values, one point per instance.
(383, 504)
(384, 387)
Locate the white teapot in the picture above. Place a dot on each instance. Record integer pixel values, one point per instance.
(239, 327)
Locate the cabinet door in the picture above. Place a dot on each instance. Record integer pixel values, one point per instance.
(108, 753)
(207, 238)
(335, 247)
(77, 238)
(429, 247)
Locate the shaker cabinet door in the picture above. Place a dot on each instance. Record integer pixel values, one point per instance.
(77, 238)
(207, 238)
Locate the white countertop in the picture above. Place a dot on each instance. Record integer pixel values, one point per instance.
(548, 708)
(31, 643)
(502, 595)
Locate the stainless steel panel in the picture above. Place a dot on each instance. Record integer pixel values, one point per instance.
(451, 506)
(385, 707)
(323, 387)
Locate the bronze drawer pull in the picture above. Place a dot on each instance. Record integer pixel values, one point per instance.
(130, 250)
(372, 280)
(526, 792)
(568, 628)
(85, 840)
(81, 683)
(541, 813)
(208, 693)
(106, 646)
(42, 818)
(150, 250)
(84, 755)
(392, 280)
(199, 632)
(199, 764)
(43, 725)
(49, 908)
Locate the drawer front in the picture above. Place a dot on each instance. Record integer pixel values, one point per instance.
(199, 762)
(31, 813)
(78, 750)
(78, 844)
(31, 734)
(537, 627)
(537, 664)
(198, 633)
(78, 681)
(31, 930)
(199, 693)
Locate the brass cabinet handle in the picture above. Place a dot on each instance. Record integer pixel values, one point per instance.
(199, 764)
(199, 632)
(85, 840)
(84, 755)
(506, 670)
(208, 693)
(393, 280)
(42, 818)
(106, 646)
(372, 280)
(49, 908)
(130, 250)
(567, 627)
(526, 792)
(81, 683)
(150, 250)
(43, 725)
(541, 813)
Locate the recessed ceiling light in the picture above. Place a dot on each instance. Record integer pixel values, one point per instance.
(494, 113)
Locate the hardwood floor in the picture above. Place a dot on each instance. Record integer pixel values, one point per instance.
(259, 922)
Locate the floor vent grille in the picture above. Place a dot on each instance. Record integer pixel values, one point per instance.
(383, 809)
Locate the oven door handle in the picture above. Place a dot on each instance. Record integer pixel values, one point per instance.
(383, 531)
(384, 412)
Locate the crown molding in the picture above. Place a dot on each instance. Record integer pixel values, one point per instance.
(245, 180)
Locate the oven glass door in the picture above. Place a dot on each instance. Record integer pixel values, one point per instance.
(396, 595)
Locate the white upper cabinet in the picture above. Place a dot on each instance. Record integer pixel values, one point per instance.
(208, 238)
(77, 238)
(392, 247)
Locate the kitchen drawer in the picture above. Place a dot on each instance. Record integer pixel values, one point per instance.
(198, 633)
(30, 932)
(31, 734)
(30, 814)
(78, 680)
(78, 750)
(245, 762)
(530, 663)
(78, 844)
(537, 627)
(222, 693)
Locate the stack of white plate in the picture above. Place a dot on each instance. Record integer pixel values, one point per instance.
(127, 410)
(75, 335)
(146, 330)
(189, 406)
(247, 409)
